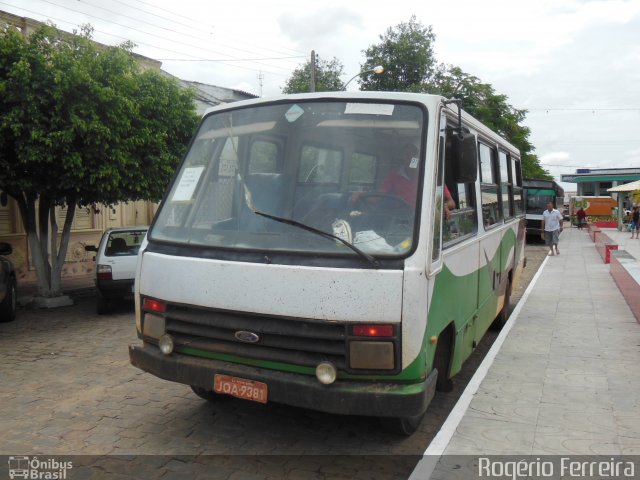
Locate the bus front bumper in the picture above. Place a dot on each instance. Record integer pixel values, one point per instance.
(342, 397)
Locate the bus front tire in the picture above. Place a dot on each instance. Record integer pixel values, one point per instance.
(402, 426)
(208, 395)
(442, 361)
(503, 316)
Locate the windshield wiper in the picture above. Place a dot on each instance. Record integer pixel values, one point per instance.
(309, 228)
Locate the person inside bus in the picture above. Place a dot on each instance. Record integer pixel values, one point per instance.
(403, 181)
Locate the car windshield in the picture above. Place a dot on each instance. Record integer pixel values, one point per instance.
(348, 169)
(125, 242)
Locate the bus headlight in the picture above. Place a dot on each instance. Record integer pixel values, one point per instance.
(371, 355)
(153, 325)
(326, 373)
(166, 344)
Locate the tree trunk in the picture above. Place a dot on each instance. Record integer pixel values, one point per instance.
(58, 254)
(27, 206)
(44, 204)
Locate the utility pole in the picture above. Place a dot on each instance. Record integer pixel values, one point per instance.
(260, 79)
(312, 84)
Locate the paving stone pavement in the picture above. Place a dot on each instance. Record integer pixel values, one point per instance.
(67, 388)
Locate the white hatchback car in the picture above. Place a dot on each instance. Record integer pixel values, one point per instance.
(116, 259)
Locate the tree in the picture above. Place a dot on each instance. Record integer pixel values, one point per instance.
(82, 125)
(492, 109)
(328, 75)
(406, 53)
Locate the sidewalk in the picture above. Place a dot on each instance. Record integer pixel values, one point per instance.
(624, 241)
(566, 375)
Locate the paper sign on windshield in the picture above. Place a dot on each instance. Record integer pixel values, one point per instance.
(369, 108)
(187, 184)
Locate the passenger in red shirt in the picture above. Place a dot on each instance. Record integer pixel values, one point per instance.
(403, 182)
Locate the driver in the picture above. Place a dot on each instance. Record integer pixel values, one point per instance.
(403, 181)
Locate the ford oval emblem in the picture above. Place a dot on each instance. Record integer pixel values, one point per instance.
(247, 337)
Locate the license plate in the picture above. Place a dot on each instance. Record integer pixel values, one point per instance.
(240, 388)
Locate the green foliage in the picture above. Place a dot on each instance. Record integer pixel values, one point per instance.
(406, 53)
(328, 75)
(82, 124)
(481, 100)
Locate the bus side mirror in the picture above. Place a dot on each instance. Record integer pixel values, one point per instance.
(90, 248)
(465, 150)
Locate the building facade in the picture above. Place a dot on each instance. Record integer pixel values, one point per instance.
(594, 182)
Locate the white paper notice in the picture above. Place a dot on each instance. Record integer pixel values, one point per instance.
(369, 108)
(187, 184)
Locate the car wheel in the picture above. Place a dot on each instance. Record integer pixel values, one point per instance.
(9, 305)
(102, 304)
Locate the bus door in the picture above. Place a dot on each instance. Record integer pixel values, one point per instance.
(492, 257)
(456, 289)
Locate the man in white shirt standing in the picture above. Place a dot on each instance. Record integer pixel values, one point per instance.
(551, 226)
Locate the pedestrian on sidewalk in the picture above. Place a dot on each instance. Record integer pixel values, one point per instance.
(551, 228)
(635, 221)
(581, 215)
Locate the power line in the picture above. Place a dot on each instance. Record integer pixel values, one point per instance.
(196, 21)
(223, 59)
(145, 33)
(171, 30)
(585, 109)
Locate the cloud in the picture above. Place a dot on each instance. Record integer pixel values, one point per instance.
(555, 157)
(310, 28)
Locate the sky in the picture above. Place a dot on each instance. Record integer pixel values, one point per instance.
(574, 65)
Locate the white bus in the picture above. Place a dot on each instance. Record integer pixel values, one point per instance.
(343, 252)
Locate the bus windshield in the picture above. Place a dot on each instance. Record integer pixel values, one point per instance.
(350, 170)
(538, 198)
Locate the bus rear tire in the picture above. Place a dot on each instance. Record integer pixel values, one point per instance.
(402, 426)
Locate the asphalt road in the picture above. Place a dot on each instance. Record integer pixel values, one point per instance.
(67, 388)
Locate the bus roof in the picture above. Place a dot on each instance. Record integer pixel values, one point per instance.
(429, 100)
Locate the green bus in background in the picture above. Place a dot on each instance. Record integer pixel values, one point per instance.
(537, 194)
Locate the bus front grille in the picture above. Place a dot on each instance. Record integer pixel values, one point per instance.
(293, 341)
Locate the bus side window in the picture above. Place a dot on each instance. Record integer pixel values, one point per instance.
(462, 220)
(516, 176)
(506, 184)
(491, 211)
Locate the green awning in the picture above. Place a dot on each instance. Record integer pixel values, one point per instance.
(605, 178)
